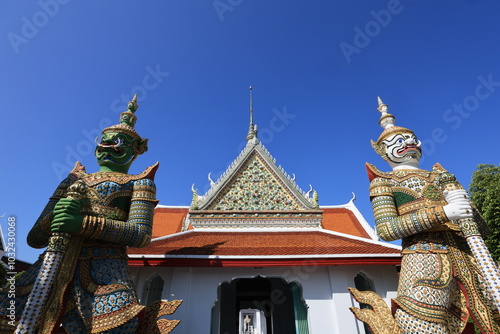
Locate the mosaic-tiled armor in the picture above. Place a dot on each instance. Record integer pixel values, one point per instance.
(81, 281)
(118, 210)
(440, 283)
(438, 273)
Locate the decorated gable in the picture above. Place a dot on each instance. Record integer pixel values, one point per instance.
(255, 187)
(254, 192)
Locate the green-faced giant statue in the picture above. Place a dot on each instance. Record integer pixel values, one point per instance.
(87, 225)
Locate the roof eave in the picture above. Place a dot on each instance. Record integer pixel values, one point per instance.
(309, 262)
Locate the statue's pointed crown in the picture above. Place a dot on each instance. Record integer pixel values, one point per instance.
(126, 126)
(387, 122)
(127, 121)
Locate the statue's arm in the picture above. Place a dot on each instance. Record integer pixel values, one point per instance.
(392, 226)
(136, 231)
(483, 227)
(38, 236)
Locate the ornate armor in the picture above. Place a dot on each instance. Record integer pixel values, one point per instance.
(117, 212)
(438, 273)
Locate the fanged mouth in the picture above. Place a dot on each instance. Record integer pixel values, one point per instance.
(407, 148)
(104, 146)
(115, 146)
(105, 152)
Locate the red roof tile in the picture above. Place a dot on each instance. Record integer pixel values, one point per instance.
(261, 243)
(168, 221)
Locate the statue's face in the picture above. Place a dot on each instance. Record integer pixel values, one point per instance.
(115, 151)
(403, 148)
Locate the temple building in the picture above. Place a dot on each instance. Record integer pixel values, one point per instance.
(257, 255)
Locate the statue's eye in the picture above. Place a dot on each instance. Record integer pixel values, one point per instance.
(400, 140)
(119, 141)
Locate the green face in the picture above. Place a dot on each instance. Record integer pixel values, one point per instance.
(115, 152)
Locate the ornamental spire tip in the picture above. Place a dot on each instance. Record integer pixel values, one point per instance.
(132, 105)
(386, 120)
(252, 130)
(382, 107)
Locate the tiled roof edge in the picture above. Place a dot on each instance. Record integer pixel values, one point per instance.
(221, 257)
(351, 206)
(281, 230)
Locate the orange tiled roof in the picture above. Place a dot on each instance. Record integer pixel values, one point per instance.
(343, 220)
(168, 221)
(261, 243)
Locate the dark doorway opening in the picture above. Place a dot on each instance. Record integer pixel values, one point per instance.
(276, 298)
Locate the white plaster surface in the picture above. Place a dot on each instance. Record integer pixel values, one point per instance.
(324, 290)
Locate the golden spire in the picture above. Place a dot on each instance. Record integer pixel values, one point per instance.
(252, 130)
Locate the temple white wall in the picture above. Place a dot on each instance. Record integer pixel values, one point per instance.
(324, 290)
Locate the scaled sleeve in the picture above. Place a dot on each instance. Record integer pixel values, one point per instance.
(136, 231)
(390, 225)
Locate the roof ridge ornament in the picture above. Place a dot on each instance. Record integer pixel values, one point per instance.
(252, 130)
(245, 161)
(196, 197)
(212, 183)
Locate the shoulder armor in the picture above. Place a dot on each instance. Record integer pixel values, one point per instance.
(76, 173)
(438, 168)
(78, 170)
(150, 171)
(144, 189)
(120, 178)
(144, 183)
(374, 172)
(380, 187)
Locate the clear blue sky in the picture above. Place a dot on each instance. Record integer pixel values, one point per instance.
(69, 67)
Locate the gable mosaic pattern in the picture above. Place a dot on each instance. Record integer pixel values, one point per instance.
(255, 188)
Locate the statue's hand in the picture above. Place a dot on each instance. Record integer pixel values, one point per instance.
(456, 195)
(67, 216)
(458, 206)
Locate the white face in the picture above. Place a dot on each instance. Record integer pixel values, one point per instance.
(403, 148)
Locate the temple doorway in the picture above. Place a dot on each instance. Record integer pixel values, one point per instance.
(275, 307)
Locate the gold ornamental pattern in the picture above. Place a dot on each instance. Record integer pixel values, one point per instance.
(255, 188)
